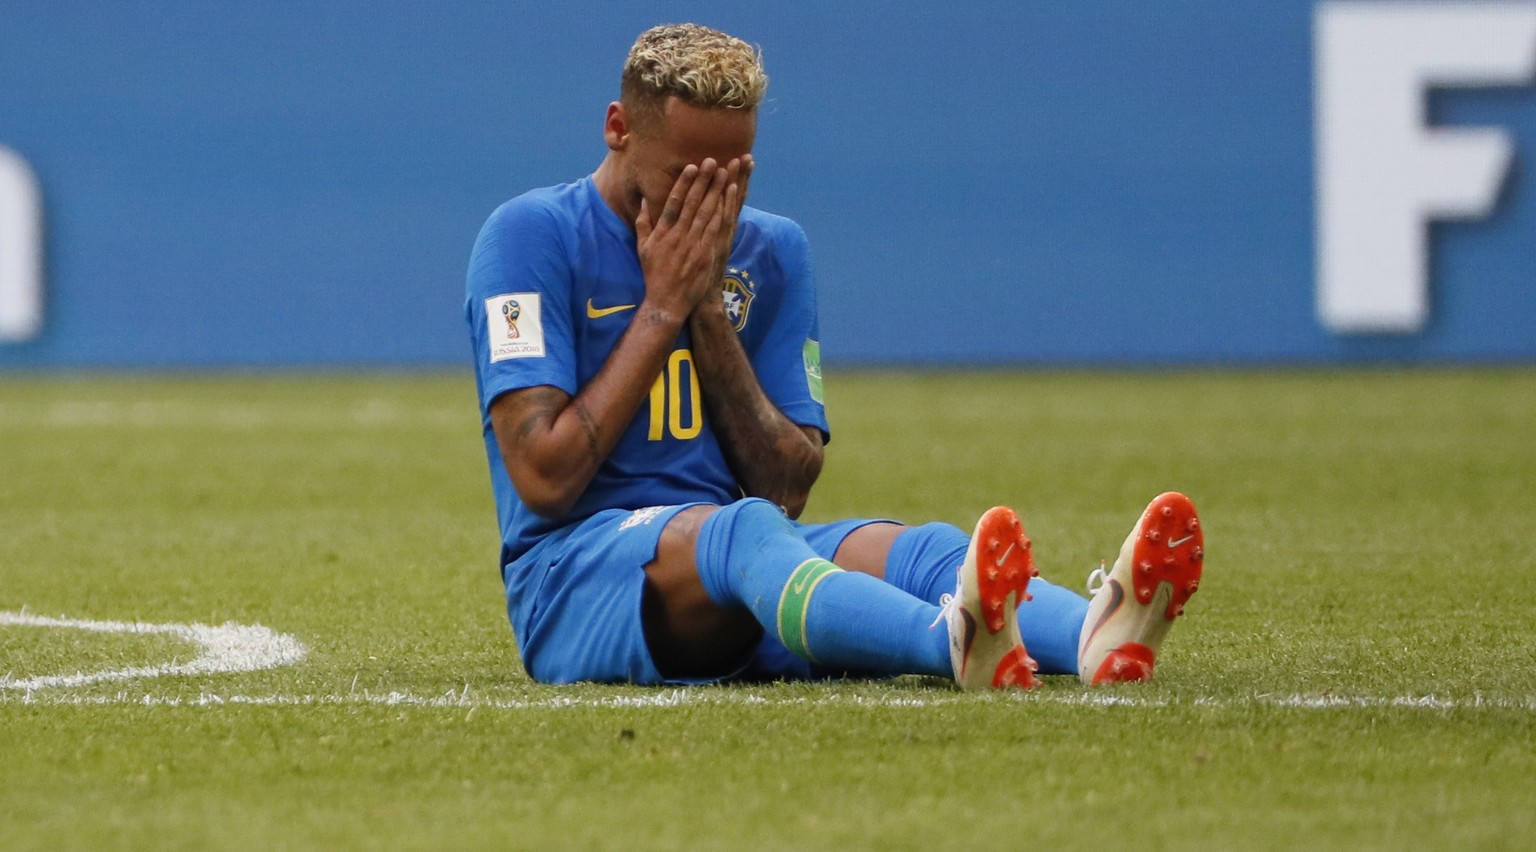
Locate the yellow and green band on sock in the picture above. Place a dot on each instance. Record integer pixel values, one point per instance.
(795, 600)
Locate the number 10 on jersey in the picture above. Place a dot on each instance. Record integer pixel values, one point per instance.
(674, 398)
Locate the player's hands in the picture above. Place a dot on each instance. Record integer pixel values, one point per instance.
(679, 251)
(739, 173)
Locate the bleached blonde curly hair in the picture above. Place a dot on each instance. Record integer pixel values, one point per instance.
(699, 65)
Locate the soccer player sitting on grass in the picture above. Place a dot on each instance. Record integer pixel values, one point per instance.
(648, 366)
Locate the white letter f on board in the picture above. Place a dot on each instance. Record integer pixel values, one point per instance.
(1381, 173)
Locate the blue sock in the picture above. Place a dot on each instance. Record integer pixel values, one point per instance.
(748, 554)
(923, 560)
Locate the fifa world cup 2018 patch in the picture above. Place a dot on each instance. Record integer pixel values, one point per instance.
(514, 327)
(812, 355)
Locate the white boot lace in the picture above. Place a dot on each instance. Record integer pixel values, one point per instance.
(1097, 579)
(947, 603)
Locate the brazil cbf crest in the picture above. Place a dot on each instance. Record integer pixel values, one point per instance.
(738, 290)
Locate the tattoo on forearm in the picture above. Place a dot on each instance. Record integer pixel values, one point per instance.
(770, 456)
(537, 410)
(588, 428)
(531, 423)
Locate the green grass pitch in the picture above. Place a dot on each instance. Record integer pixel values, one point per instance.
(1357, 672)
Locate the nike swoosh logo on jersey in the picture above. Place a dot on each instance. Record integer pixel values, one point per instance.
(594, 312)
(1178, 541)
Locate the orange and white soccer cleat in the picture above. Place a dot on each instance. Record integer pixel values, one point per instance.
(1136, 602)
(984, 643)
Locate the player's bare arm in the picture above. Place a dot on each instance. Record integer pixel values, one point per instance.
(771, 456)
(553, 443)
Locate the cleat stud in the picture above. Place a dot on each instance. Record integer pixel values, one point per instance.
(1146, 567)
(1194, 586)
(1194, 524)
(1178, 611)
(1167, 511)
(992, 573)
(1154, 535)
(1197, 554)
(1144, 595)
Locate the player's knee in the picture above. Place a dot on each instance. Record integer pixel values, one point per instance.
(727, 538)
(940, 534)
(746, 523)
(683, 528)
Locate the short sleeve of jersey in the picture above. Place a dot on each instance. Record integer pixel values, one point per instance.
(788, 364)
(517, 301)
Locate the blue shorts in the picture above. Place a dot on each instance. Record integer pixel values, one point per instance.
(574, 600)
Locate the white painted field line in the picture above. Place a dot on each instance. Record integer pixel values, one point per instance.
(223, 649)
(706, 696)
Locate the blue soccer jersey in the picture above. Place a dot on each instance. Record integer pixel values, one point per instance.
(553, 283)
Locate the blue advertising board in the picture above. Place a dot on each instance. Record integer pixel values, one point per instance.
(286, 184)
